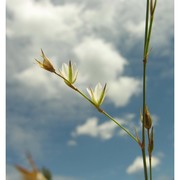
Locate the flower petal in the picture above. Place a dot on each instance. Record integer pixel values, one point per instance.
(97, 92)
(64, 71)
(101, 98)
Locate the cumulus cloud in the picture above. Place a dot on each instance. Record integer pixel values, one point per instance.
(121, 90)
(39, 19)
(76, 29)
(95, 65)
(40, 81)
(91, 128)
(99, 60)
(69, 21)
(105, 130)
(137, 164)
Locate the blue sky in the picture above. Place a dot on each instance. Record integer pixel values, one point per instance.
(61, 130)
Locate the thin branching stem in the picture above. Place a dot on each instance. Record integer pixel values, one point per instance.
(111, 118)
(150, 155)
(146, 26)
(97, 107)
(148, 31)
(143, 128)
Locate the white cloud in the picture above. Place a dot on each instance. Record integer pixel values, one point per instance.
(121, 90)
(91, 128)
(99, 60)
(41, 19)
(39, 85)
(69, 22)
(137, 164)
(87, 32)
(102, 64)
(42, 82)
(105, 130)
(71, 143)
(134, 28)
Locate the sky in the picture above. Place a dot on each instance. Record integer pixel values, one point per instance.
(61, 130)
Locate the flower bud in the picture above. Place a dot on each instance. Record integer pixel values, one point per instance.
(147, 120)
(46, 63)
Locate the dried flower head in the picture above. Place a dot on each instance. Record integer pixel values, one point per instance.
(46, 63)
(147, 120)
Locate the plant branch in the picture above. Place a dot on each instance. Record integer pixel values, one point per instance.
(97, 107)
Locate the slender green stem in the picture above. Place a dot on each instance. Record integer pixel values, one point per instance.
(150, 156)
(98, 108)
(146, 26)
(148, 29)
(111, 118)
(106, 114)
(143, 128)
(144, 163)
(150, 167)
(74, 88)
(149, 34)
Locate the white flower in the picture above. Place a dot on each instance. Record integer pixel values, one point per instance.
(98, 94)
(69, 72)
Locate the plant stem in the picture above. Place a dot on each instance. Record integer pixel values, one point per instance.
(111, 118)
(106, 114)
(147, 37)
(97, 107)
(146, 26)
(74, 88)
(150, 167)
(150, 156)
(144, 91)
(143, 128)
